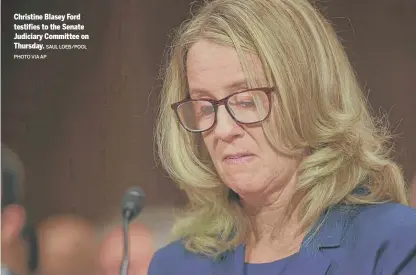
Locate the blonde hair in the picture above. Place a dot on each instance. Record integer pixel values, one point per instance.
(319, 106)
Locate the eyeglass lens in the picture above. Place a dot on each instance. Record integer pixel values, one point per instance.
(246, 107)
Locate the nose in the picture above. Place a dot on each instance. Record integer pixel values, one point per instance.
(226, 128)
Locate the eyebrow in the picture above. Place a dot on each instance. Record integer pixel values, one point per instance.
(238, 84)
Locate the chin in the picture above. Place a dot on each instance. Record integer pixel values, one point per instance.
(242, 185)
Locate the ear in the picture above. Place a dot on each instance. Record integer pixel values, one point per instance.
(13, 219)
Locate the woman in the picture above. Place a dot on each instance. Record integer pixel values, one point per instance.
(263, 124)
(18, 241)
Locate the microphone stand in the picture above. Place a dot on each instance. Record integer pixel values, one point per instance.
(132, 204)
(125, 262)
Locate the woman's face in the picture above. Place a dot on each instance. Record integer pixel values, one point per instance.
(243, 157)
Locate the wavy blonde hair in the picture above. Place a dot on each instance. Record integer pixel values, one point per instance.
(319, 106)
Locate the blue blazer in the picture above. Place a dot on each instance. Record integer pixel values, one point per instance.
(354, 240)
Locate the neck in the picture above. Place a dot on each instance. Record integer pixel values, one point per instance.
(275, 222)
(275, 212)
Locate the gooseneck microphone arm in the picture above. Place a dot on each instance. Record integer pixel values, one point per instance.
(132, 205)
(125, 262)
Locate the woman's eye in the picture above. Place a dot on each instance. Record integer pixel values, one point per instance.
(243, 104)
(206, 110)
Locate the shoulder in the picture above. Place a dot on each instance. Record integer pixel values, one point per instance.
(164, 258)
(384, 218)
(175, 259)
(374, 223)
(387, 232)
(175, 249)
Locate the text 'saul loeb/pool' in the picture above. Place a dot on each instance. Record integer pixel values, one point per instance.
(37, 34)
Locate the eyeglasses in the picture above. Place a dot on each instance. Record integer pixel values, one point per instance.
(245, 107)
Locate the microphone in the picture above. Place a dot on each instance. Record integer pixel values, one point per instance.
(132, 204)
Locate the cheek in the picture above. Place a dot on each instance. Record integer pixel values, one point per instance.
(281, 168)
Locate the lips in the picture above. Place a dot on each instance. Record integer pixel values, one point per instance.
(237, 157)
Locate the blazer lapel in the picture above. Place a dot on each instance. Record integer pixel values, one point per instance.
(310, 259)
(328, 233)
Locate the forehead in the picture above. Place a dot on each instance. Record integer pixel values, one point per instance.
(211, 66)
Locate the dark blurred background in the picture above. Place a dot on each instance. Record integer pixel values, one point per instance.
(82, 121)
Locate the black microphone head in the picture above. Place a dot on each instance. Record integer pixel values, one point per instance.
(133, 202)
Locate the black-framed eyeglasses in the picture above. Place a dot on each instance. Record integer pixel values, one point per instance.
(245, 107)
